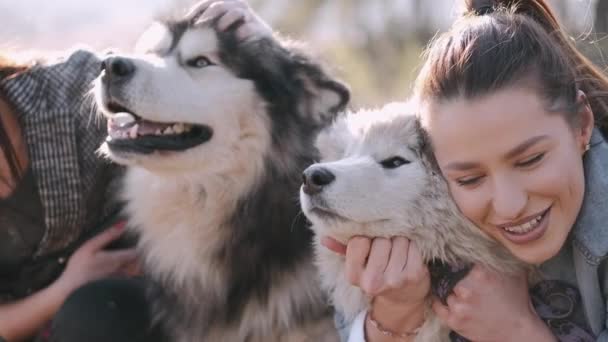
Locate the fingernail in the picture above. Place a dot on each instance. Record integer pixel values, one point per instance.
(120, 226)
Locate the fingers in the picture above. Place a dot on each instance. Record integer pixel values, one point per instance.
(398, 258)
(357, 250)
(462, 291)
(231, 12)
(132, 269)
(105, 238)
(416, 269)
(216, 9)
(333, 245)
(198, 8)
(120, 258)
(372, 280)
(253, 30)
(232, 17)
(202, 6)
(442, 312)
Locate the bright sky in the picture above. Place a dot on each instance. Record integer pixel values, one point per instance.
(61, 24)
(57, 24)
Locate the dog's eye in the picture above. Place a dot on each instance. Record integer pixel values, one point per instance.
(393, 162)
(199, 62)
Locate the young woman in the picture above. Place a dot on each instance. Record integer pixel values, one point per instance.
(56, 203)
(53, 192)
(517, 120)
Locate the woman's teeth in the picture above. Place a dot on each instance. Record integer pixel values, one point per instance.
(525, 227)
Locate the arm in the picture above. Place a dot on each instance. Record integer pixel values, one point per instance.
(24, 318)
(391, 272)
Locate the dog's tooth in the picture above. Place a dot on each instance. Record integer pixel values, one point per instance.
(114, 134)
(159, 132)
(187, 128)
(123, 120)
(178, 128)
(133, 131)
(168, 130)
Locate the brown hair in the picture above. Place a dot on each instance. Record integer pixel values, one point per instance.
(9, 69)
(499, 43)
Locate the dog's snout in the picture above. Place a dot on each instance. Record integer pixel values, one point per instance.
(315, 178)
(118, 68)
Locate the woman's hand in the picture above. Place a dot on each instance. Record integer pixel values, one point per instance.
(392, 273)
(91, 262)
(231, 12)
(487, 306)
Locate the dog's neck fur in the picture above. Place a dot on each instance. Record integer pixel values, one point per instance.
(225, 204)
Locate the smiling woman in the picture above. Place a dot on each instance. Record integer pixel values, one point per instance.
(54, 194)
(517, 119)
(516, 174)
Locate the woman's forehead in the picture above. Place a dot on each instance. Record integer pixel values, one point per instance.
(503, 105)
(489, 126)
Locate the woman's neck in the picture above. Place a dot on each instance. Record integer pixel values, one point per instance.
(14, 135)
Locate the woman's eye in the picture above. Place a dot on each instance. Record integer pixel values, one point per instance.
(394, 162)
(199, 62)
(467, 181)
(531, 161)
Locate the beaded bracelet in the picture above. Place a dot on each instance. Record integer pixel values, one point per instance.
(405, 335)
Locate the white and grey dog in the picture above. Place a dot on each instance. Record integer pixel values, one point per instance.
(215, 133)
(376, 180)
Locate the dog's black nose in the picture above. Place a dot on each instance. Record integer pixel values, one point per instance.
(315, 178)
(118, 68)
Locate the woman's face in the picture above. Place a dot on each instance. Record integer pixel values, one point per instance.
(513, 168)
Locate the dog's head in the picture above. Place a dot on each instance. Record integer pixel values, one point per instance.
(372, 175)
(195, 99)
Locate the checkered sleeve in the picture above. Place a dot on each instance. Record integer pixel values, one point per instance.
(63, 131)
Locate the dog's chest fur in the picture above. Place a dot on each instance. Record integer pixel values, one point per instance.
(223, 262)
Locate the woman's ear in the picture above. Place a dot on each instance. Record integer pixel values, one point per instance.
(586, 121)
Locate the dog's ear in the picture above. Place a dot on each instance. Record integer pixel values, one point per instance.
(333, 141)
(326, 97)
(287, 76)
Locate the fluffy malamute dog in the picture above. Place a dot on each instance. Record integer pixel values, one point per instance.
(375, 180)
(215, 134)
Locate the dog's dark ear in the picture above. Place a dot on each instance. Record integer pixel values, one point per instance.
(326, 97)
(287, 76)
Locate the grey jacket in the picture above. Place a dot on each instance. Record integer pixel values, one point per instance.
(589, 238)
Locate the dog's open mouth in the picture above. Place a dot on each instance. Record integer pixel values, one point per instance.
(128, 132)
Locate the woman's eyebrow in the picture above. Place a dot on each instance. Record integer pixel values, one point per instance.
(524, 146)
(464, 166)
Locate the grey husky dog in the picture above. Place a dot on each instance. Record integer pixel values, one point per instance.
(215, 133)
(376, 178)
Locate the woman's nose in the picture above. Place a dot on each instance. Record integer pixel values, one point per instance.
(509, 199)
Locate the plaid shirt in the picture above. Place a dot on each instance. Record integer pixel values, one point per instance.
(62, 132)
